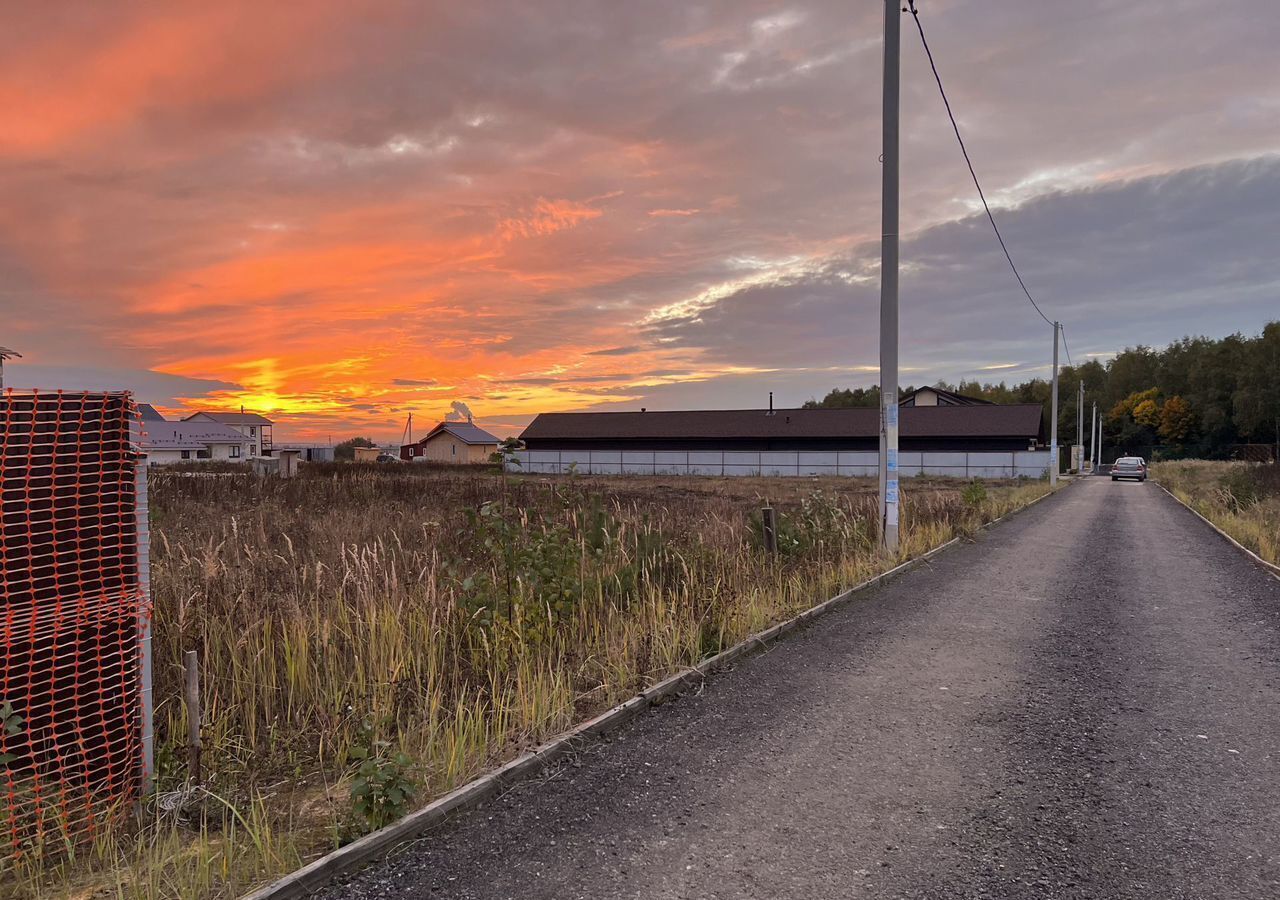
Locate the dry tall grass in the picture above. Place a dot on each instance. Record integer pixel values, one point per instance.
(1241, 498)
(426, 617)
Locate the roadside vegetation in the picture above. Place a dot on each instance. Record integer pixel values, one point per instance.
(1197, 397)
(373, 636)
(1243, 499)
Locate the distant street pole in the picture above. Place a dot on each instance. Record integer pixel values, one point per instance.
(1053, 416)
(889, 283)
(1093, 436)
(1097, 460)
(1080, 427)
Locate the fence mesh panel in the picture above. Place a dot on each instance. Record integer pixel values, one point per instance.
(71, 610)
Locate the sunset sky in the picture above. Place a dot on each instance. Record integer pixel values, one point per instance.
(339, 211)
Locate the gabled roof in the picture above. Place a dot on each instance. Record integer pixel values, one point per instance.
(988, 420)
(149, 413)
(188, 435)
(951, 396)
(231, 418)
(466, 432)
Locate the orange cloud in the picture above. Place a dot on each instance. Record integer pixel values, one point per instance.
(120, 70)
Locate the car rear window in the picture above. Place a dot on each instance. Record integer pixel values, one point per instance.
(1129, 461)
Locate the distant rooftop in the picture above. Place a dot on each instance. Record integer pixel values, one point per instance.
(149, 413)
(979, 420)
(944, 398)
(467, 432)
(188, 435)
(231, 418)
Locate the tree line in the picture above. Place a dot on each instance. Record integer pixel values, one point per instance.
(1197, 397)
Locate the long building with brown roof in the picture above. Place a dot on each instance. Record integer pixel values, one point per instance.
(985, 427)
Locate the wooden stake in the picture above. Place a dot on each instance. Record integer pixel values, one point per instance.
(770, 521)
(191, 694)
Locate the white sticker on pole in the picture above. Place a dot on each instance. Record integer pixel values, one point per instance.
(891, 491)
(891, 461)
(891, 415)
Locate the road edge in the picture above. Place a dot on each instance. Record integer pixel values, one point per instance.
(1270, 568)
(319, 872)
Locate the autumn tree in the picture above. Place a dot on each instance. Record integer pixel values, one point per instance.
(1147, 413)
(1177, 421)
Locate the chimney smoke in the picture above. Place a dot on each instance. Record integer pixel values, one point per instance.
(460, 412)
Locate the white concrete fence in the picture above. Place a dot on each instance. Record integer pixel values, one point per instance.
(1028, 463)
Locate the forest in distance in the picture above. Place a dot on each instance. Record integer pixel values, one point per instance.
(1198, 397)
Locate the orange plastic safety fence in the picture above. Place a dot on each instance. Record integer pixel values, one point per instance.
(72, 607)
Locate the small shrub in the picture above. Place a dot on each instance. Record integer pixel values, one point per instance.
(382, 790)
(974, 494)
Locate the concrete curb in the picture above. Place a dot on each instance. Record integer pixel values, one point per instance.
(319, 872)
(1270, 568)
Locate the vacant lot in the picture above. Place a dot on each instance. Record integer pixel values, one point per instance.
(1243, 499)
(373, 636)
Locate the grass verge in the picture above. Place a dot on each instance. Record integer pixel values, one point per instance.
(1241, 498)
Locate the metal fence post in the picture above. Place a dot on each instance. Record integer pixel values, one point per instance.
(145, 698)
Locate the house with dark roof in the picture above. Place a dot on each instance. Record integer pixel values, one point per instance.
(936, 396)
(253, 426)
(452, 442)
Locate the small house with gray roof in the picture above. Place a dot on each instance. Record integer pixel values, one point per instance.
(251, 425)
(167, 442)
(452, 442)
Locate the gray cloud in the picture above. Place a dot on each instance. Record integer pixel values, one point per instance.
(150, 387)
(1147, 260)
(614, 351)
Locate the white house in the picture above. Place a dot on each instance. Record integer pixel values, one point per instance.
(256, 428)
(173, 442)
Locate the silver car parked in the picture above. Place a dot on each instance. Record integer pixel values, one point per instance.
(1129, 467)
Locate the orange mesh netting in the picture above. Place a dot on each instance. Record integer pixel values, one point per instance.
(72, 607)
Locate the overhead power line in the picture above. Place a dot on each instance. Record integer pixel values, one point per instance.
(955, 127)
(1064, 344)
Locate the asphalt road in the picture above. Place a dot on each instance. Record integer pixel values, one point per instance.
(1085, 702)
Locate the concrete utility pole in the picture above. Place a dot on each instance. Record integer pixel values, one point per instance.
(1097, 460)
(1080, 429)
(1053, 415)
(889, 283)
(1093, 436)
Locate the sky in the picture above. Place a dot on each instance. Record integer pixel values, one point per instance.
(338, 212)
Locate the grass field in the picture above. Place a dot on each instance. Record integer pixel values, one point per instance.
(1243, 499)
(371, 637)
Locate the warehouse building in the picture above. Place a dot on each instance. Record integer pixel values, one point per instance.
(983, 440)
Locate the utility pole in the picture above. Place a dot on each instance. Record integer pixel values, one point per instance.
(1053, 415)
(1080, 428)
(889, 282)
(1101, 416)
(1093, 437)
